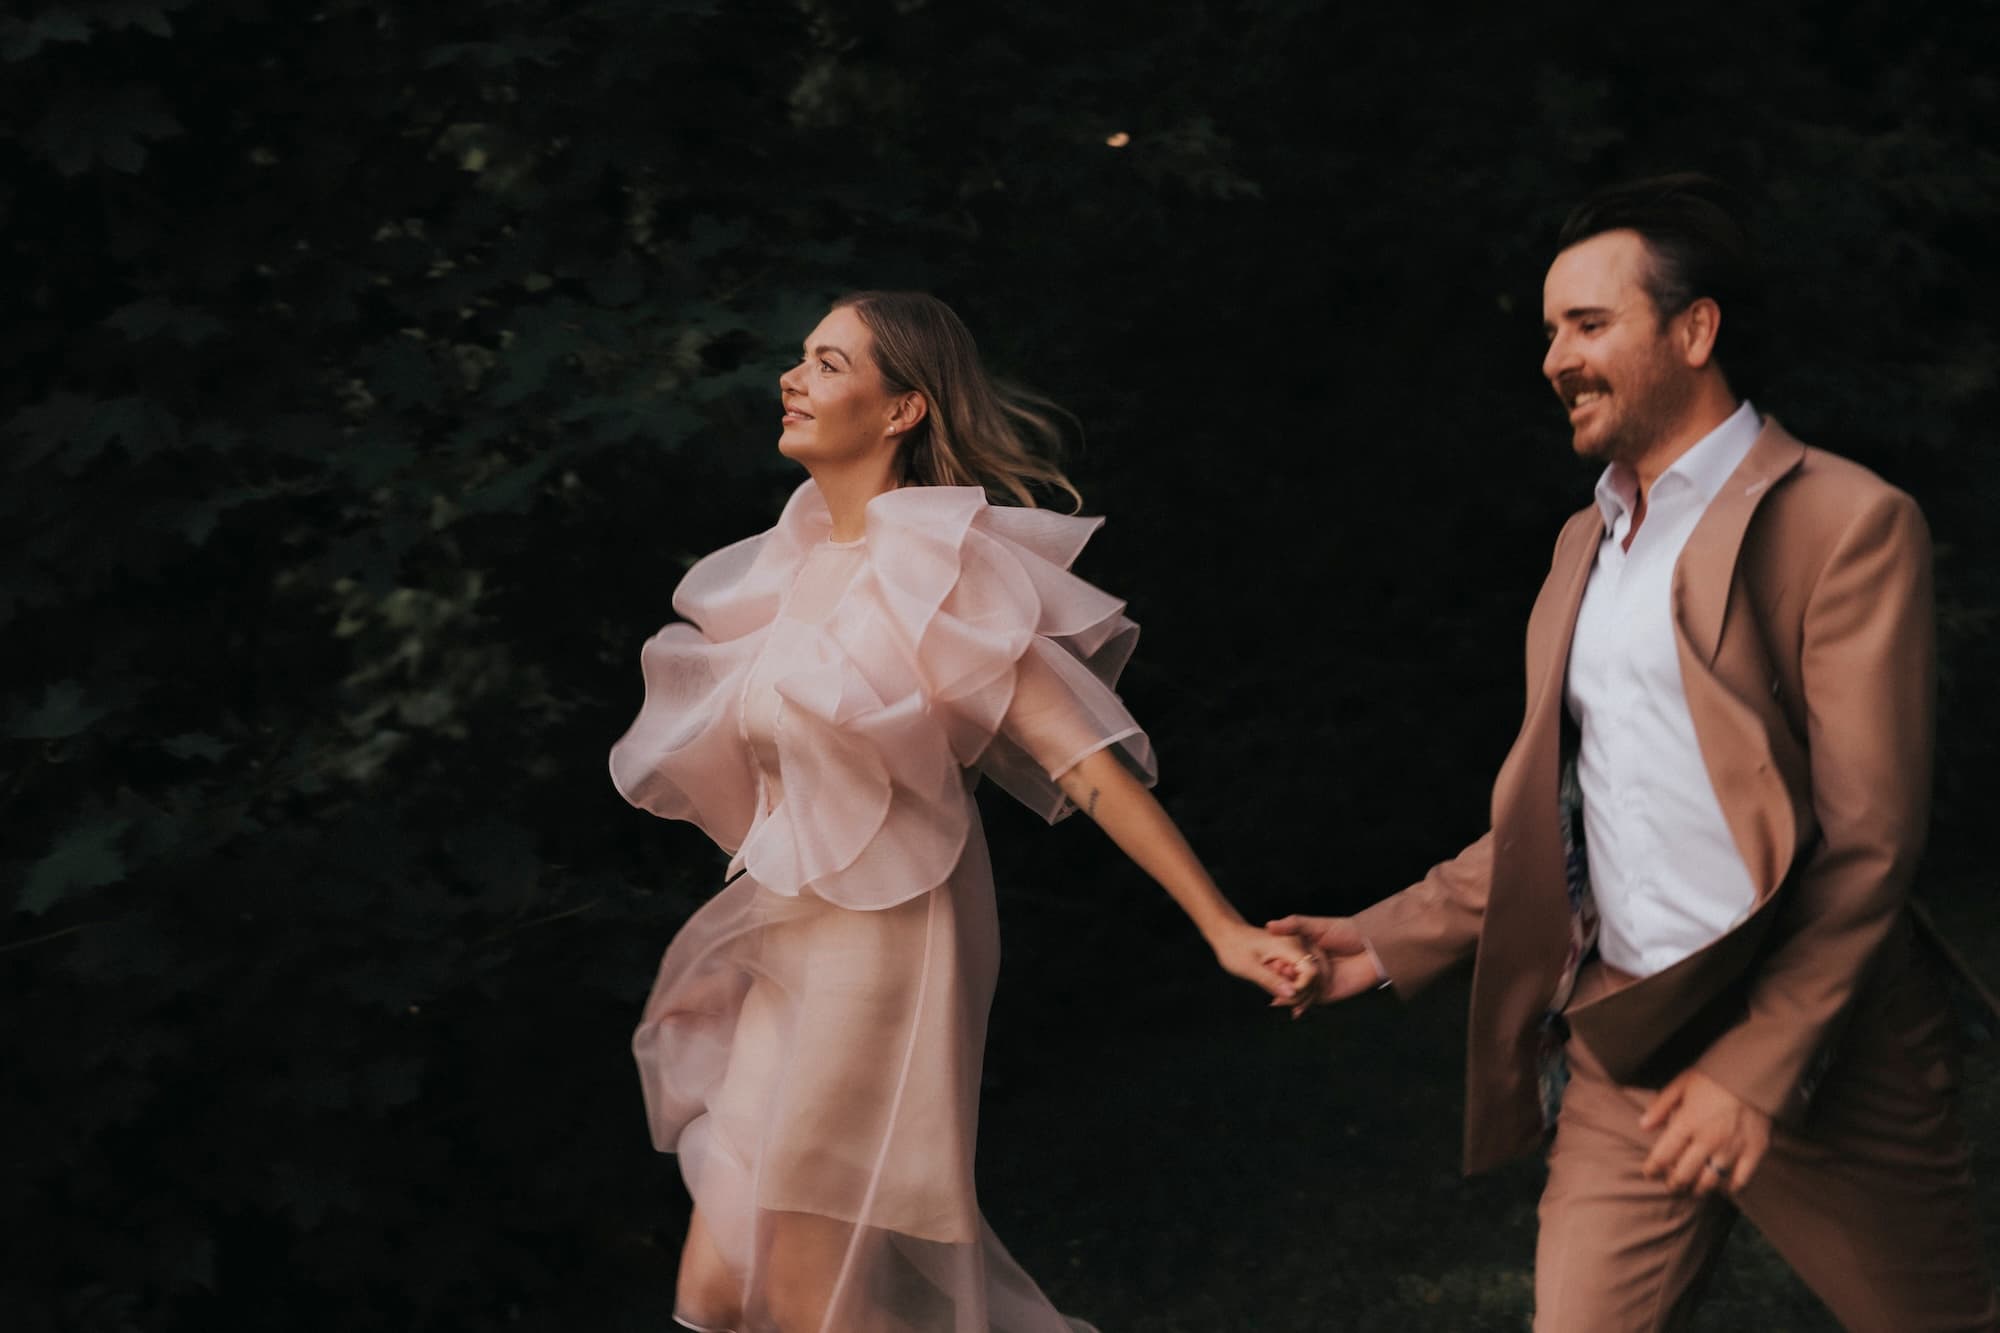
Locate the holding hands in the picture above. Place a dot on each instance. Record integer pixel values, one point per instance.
(1342, 964)
(1285, 966)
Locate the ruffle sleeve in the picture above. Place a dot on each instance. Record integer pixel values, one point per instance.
(1020, 657)
(962, 641)
(684, 756)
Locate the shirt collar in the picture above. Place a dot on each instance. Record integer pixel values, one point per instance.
(1705, 466)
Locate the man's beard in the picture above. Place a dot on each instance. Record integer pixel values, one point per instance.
(1647, 414)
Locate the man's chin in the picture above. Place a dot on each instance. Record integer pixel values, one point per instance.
(1593, 446)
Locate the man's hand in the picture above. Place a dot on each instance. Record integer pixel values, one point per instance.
(1350, 967)
(1709, 1140)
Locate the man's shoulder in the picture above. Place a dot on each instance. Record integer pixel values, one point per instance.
(1833, 488)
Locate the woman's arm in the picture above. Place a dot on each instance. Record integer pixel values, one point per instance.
(1105, 790)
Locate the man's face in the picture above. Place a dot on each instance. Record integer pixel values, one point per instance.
(1611, 360)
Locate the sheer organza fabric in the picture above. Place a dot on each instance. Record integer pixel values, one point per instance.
(811, 1048)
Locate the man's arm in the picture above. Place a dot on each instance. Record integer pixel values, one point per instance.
(1424, 930)
(1417, 935)
(1413, 937)
(1868, 672)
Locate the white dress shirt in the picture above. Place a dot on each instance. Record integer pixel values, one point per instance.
(1664, 869)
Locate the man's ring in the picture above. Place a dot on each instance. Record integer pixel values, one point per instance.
(1720, 1168)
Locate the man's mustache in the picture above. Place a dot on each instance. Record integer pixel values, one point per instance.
(1568, 387)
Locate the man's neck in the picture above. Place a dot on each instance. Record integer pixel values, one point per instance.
(1709, 410)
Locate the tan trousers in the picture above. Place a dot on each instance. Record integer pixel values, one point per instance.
(1870, 1200)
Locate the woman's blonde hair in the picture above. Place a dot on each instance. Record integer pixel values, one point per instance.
(978, 431)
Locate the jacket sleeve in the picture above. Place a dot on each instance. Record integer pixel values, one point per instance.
(1420, 933)
(1868, 673)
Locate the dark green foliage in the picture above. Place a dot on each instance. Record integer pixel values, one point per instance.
(374, 369)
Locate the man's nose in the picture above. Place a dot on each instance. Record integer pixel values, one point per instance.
(1560, 357)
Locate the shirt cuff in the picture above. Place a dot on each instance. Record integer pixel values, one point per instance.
(1382, 981)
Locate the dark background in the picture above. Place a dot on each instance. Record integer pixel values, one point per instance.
(372, 372)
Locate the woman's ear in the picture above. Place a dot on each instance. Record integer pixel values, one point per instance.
(906, 411)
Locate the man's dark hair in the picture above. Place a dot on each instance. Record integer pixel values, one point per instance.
(1697, 242)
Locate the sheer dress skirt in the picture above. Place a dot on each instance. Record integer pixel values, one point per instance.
(816, 1068)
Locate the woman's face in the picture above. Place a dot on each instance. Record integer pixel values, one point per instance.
(836, 407)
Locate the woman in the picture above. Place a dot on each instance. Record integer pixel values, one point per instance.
(812, 1046)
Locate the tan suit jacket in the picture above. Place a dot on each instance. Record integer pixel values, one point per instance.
(1802, 611)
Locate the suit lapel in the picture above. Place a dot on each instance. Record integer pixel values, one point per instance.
(1525, 937)
(1708, 562)
(1569, 575)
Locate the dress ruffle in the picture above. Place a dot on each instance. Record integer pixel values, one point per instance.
(963, 641)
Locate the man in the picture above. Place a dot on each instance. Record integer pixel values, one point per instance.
(1693, 901)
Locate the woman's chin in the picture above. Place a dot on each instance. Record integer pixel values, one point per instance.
(804, 449)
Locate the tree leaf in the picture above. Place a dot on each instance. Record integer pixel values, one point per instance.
(62, 712)
(76, 430)
(619, 283)
(94, 125)
(400, 372)
(46, 426)
(195, 745)
(542, 340)
(141, 425)
(151, 318)
(85, 857)
(512, 492)
(116, 15)
(19, 40)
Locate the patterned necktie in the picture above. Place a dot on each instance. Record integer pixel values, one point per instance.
(1554, 1069)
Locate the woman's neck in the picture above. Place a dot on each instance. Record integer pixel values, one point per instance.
(847, 489)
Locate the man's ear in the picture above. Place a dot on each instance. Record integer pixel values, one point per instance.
(1700, 323)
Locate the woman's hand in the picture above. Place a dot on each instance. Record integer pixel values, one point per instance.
(1285, 967)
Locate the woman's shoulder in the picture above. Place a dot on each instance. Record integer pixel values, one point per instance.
(947, 552)
(948, 514)
(738, 589)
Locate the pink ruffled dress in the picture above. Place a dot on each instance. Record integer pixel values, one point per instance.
(812, 1046)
